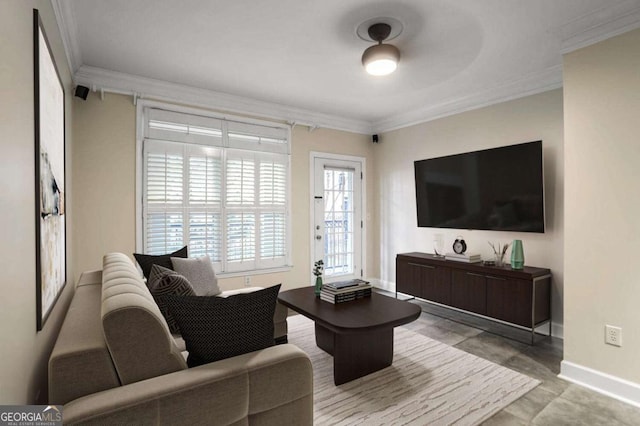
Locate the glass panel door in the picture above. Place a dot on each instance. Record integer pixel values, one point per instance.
(337, 218)
(338, 222)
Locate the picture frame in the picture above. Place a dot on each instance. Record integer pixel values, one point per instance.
(49, 154)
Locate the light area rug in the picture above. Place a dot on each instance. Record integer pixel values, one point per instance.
(429, 383)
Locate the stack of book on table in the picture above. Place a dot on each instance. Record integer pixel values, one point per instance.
(464, 257)
(344, 291)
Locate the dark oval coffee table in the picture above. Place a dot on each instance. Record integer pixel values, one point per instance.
(359, 333)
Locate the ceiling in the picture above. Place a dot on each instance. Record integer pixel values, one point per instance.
(300, 59)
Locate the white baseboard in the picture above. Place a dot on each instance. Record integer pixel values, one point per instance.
(384, 285)
(606, 384)
(557, 330)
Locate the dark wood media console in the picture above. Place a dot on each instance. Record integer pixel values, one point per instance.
(517, 297)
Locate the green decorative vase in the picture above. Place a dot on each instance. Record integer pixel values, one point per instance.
(318, 287)
(517, 255)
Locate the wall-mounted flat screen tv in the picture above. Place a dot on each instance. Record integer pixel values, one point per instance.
(498, 189)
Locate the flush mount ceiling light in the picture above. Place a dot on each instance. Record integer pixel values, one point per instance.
(381, 59)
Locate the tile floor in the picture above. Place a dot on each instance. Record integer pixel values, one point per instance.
(555, 401)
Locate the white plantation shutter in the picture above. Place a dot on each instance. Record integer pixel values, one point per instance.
(178, 127)
(272, 236)
(273, 182)
(241, 240)
(205, 202)
(205, 236)
(272, 204)
(256, 188)
(218, 186)
(205, 179)
(240, 194)
(257, 138)
(164, 232)
(164, 177)
(241, 179)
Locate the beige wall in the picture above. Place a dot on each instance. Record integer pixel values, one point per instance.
(104, 178)
(602, 204)
(105, 187)
(24, 352)
(334, 142)
(527, 119)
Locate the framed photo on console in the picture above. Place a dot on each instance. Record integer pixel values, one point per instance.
(51, 270)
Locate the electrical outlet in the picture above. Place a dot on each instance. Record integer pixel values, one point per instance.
(613, 335)
(247, 281)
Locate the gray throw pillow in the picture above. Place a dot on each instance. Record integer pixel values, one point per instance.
(199, 271)
(216, 328)
(163, 282)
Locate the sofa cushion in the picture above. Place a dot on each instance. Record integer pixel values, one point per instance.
(147, 260)
(163, 282)
(135, 331)
(216, 328)
(269, 387)
(199, 271)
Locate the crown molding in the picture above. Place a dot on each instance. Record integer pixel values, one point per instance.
(604, 23)
(69, 32)
(548, 79)
(588, 29)
(149, 88)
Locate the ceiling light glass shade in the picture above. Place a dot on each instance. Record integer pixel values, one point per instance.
(381, 59)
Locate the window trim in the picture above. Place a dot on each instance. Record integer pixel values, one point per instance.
(141, 106)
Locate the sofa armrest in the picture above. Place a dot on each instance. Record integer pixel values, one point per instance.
(270, 386)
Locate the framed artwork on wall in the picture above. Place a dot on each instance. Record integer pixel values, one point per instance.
(51, 270)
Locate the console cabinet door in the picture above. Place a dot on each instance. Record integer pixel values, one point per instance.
(408, 278)
(436, 284)
(422, 280)
(469, 291)
(509, 300)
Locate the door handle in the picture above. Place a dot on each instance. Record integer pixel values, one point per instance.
(318, 237)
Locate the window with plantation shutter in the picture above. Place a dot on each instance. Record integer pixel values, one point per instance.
(220, 187)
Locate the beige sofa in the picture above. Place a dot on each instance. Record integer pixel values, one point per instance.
(115, 362)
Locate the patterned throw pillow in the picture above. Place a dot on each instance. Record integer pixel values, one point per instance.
(163, 282)
(216, 328)
(199, 271)
(146, 260)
